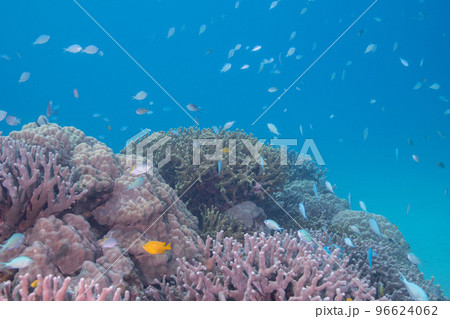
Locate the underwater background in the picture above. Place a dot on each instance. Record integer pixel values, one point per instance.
(373, 90)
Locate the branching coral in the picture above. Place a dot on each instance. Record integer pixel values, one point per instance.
(212, 221)
(51, 288)
(239, 167)
(264, 268)
(33, 185)
(93, 163)
(388, 259)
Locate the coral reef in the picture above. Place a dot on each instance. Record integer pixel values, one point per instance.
(387, 262)
(250, 215)
(67, 193)
(319, 213)
(60, 237)
(264, 268)
(50, 288)
(68, 247)
(150, 212)
(213, 221)
(94, 164)
(239, 169)
(33, 185)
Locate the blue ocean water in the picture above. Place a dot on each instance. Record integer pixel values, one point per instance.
(367, 169)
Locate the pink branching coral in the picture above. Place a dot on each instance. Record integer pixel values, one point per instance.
(264, 268)
(33, 185)
(52, 288)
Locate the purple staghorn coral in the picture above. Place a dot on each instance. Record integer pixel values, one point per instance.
(51, 288)
(33, 185)
(264, 268)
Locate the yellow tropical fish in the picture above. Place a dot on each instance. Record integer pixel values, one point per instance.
(349, 299)
(34, 284)
(156, 247)
(226, 150)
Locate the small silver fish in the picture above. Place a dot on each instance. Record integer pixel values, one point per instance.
(272, 225)
(225, 68)
(414, 259)
(137, 183)
(3, 115)
(42, 39)
(141, 111)
(315, 192)
(228, 125)
(374, 226)
(193, 108)
(74, 48)
(90, 49)
(108, 243)
(363, 206)
(304, 235)
(273, 128)
(348, 242)
(139, 169)
(171, 32)
(140, 96)
(12, 120)
(17, 263)
(24, 77)
(13, 242)
(329, 187)
(355, 229)
(417, 293)
(301, 207)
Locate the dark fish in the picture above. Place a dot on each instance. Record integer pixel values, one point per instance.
(440, 164)
(410, 142)
(361, 32)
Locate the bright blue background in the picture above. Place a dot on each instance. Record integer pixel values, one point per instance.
(368, 170)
